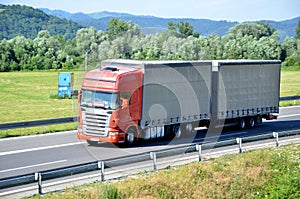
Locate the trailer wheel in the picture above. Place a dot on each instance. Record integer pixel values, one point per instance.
(242, 123)
(131, 136)
(251, 122)
(188, 128)
(92, 143)
(177, 131)
(259, 119)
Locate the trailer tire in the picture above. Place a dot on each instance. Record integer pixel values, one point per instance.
(242, 123)
(259, 119)
(251, 122)
(177, 131)
(187, 128)
(130, 138)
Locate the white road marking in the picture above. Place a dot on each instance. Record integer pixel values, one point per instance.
(284, 116)
(39, 135)
(38, 148)
(288, 107)
(30, 166)
(218, 136)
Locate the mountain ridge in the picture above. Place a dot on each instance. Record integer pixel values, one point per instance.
(205, 27)
(27, 21)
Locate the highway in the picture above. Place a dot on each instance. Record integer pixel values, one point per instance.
(30, 154)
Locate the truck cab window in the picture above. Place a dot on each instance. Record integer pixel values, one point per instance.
(99, 99)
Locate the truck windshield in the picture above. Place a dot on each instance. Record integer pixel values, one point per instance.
(100, 99)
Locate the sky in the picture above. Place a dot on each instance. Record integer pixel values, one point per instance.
(230, 10)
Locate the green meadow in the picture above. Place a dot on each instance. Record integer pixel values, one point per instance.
(31, 96)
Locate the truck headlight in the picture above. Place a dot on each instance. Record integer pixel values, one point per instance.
(113, 133)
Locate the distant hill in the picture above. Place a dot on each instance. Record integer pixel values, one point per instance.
(104, 14)
(148, 24)
(151, 24)
(23, 20)
(27, 21)
(286, 28)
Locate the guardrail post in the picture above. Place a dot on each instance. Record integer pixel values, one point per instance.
(153, 157)
(101, 167)
(38, 178)
(199, 149)
(239, 141)
(275, 135)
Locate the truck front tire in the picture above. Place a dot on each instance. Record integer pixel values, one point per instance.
(131, 136)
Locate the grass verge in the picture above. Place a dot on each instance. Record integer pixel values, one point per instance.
(265, 173)
(37, 130)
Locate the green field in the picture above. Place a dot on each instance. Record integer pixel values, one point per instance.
(267, 173)
(289, 86)
(26, 96)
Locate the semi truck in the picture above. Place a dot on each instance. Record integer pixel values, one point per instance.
(125, 101)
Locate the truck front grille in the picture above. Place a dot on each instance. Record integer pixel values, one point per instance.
(95, 122)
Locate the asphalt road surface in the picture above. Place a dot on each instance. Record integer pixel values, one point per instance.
(30, 154)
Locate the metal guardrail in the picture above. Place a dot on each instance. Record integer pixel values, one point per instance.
(101, 165)
(287, 98)
(32, 123)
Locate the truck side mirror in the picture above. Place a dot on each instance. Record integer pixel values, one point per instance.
(124, 103)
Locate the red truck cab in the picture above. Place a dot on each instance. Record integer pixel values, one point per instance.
(107, 95)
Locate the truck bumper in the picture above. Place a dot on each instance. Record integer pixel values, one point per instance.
(113, 137)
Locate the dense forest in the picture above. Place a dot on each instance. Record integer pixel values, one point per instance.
(123, 39)
(23, 20)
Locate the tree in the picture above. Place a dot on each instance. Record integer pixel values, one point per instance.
(172, 26)
(117, 27)
(185, 28)
(86, 39)
(6, 56)
(297, 36)
(181, 29)
(257, 30)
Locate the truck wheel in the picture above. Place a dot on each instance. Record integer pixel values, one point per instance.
(251, 122)
(242, 123)
(188, 128)
(92, 143)
(259, 119)
(131, 136)
(177, 131)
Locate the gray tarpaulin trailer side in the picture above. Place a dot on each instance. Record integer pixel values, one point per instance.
(246, 88)
(176, 92)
